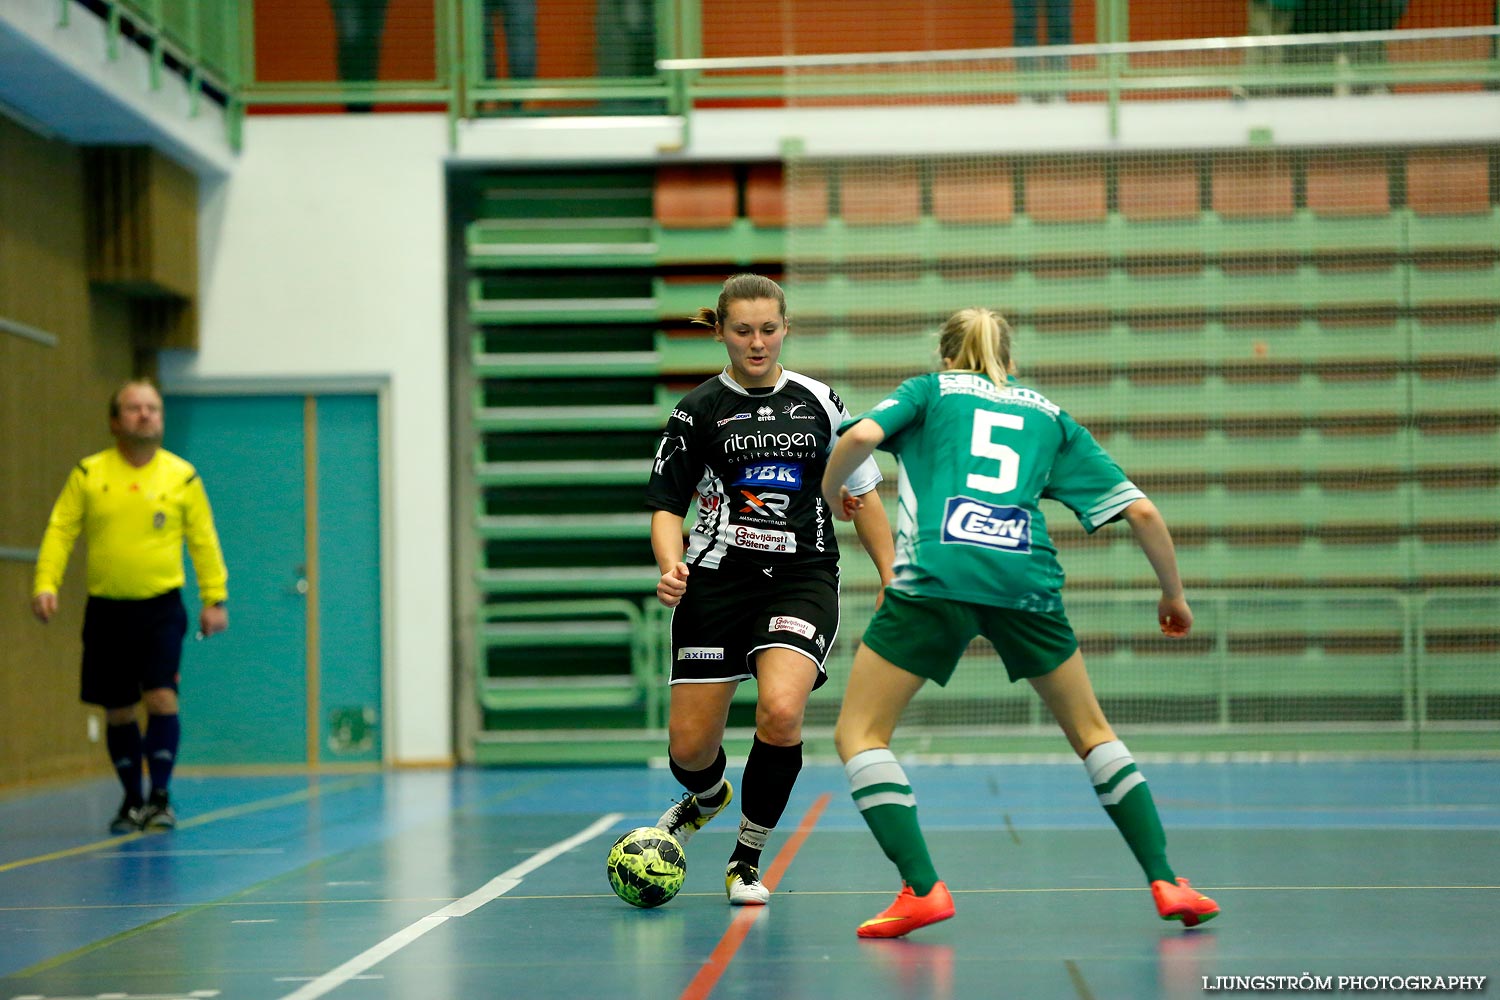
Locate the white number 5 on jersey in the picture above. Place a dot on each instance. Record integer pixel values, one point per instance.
(983, 445)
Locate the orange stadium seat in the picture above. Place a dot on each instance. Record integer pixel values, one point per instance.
(765, 195)
(1448, 182)
(1345, 184)
(964, 192)
(1066, 192)
(772, 200)
(1158, 189)
(1257, 186)
(880, 193)
(700, 196)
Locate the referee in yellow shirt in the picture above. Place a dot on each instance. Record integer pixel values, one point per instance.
(135, 504)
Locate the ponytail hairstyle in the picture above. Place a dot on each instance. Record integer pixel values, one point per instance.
(977, 340)
(741, 288)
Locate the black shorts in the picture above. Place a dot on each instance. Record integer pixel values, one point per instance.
(726, 618)
(130, 647)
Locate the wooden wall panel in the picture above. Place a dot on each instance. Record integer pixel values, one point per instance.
(143, 222)
(53, 411)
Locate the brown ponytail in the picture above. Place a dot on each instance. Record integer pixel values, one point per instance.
(741, 288)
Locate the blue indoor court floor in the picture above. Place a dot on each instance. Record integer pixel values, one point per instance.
(490, 883)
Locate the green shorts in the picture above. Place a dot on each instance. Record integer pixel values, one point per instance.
(927, 635)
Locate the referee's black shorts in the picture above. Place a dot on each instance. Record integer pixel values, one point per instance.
(130, 647)
(726, 618)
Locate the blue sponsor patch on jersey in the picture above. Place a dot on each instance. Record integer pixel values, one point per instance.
(787, 475)
(973, 522)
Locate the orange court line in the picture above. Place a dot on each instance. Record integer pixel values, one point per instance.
(708, 976)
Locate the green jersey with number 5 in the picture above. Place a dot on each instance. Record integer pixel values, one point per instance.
(976, 460)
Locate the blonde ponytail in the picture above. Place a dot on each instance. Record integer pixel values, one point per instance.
(977, 340)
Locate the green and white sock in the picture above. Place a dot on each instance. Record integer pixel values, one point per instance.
(889, 808)
(1123, 793)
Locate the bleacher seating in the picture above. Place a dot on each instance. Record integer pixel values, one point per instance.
(973, 194)
(1065, 190)
(880, 194)
(1448, 182)
(1253, 186)
(701, 196)
(1296, 355)
(1158, 189)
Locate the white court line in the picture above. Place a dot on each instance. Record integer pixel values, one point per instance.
(495, 887)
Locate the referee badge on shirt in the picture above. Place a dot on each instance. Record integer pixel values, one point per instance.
(159, 520)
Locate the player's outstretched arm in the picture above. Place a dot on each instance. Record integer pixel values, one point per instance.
(1150, 529)
(666, 544)
(854, 446)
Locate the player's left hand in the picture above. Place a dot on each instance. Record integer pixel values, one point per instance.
(213, 620)
(847, 506)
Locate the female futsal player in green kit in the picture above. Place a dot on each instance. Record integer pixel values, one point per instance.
(977, 453)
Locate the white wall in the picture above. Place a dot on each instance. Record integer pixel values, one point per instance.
(323, 255)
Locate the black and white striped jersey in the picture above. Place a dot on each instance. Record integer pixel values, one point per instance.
(753, 459)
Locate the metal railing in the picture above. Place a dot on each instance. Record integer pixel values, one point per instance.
(212, 45)
(201, 41)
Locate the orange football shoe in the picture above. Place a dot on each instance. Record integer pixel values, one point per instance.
(909, 912)
(1182, 902)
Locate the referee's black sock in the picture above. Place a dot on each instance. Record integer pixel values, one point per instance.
(163, 732)
(770, 773)
(124, 745)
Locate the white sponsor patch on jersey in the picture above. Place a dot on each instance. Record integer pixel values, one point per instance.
(974, 522)
(762, 540)
(785, 623)
(701, 653)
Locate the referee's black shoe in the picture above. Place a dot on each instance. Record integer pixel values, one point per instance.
(128, 819)
(158, 814)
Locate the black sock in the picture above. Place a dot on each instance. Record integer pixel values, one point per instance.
(701, 783)
(770, 773)
(124, 745)
(160, 749)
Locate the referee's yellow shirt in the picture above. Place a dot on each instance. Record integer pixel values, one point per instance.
(135, 521)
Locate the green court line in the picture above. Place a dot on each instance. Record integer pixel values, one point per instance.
(229, 812)
(1079, 983)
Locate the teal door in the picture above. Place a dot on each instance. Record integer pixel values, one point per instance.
(294, 483)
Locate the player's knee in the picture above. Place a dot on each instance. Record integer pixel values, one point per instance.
(779, 722)
(691, 750)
